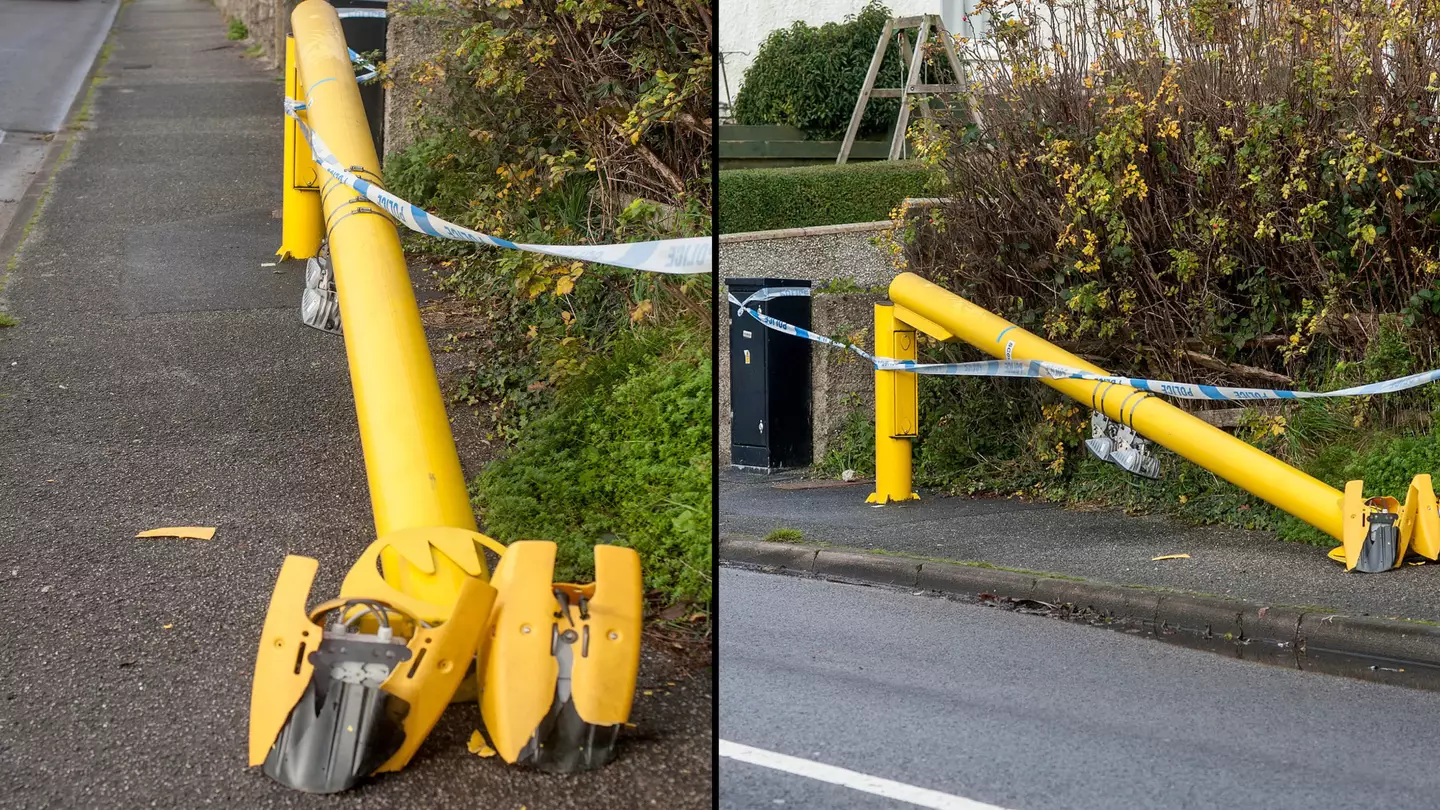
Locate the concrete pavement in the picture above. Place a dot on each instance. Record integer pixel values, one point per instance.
(1099, 545)
(160, 376)
(1024, 713)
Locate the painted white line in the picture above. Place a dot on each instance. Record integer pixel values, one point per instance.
(918, 796)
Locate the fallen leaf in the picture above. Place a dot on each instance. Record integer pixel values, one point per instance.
(166, 626)
(1170, 557)
(648, 693)
(191, 532)
(478, 747)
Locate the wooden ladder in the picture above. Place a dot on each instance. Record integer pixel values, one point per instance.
(909, 79)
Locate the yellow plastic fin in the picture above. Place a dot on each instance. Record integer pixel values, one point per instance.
(1420, 522)
(519, 670)
(187, 532)
(282, 666)
(439, 659)
(602, 679)
(1352, 520)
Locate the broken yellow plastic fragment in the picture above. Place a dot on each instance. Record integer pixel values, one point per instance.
(1171, 557)
(478, 747)
(190, 532)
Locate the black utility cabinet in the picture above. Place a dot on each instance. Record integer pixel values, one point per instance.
(365, 35)
(769, 380)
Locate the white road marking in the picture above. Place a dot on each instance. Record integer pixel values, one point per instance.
(918, 796)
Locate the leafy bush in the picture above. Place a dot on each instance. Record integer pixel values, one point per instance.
(1186, 181)
(1232, 193)
(769, 199)
(810, 77)
(624, 457)
(579, 122)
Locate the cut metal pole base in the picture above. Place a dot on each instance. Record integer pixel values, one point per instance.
(1379, 532)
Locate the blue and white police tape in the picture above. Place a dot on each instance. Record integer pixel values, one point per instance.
(348, 13)
(1044, 370)
(361, 61)
(790, 329)
(673, 256)
(769, 293)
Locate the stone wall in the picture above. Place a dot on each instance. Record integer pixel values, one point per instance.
(267, 22)
(820, 254)
(416, 35)
(840, 381)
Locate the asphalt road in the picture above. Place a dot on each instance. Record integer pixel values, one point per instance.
(46, 49)
(160, 376)
(1025, 712)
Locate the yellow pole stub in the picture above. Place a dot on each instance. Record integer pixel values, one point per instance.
(897, 414)
(302, 226)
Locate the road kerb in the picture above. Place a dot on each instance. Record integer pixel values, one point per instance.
(1387, 650)
(1397, 652)
(769, 554)
(885, 570)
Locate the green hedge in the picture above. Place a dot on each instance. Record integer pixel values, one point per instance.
(809, 77)
(769, 199)
(624, 457)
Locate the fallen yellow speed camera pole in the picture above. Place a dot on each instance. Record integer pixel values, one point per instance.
(351, 686)
(1375, 534)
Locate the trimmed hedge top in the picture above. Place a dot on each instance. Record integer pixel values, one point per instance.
(771, 199)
